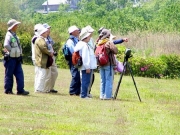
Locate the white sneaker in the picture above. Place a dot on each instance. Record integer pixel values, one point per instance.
(87, 98)
(90, 95)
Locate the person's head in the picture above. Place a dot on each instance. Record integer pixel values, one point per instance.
(100, 30)
(13, 25)
(41, 31)
(85, 35)
(47, 27)
(89, 29)
(36, 27)
(74, 30)
(105, 33)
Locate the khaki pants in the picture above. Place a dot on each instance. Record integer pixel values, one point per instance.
(54, 74)
(42, 79)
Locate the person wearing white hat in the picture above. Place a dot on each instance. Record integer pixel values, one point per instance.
(53, 68)
(33, 41)
(75, 85)
(43, 74)
(13, 60)
(88, 61)
(92, 47)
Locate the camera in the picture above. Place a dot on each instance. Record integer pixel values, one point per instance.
(128, 53)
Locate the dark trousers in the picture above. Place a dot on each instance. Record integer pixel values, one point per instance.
(75, 86)
(13, 67)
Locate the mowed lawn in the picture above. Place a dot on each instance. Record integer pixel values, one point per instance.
(61, 114)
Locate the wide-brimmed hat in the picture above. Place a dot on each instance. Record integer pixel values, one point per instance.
(84, 34)
(36, 27)
(100, 30)
(41, 30)
(72, 29)
(46, 26)
(11, 23)
(89, 29)
(105, 33)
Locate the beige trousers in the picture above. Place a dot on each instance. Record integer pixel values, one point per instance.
(54, 74)
(42, 79)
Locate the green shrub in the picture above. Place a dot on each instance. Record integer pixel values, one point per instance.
(149, 67)
(173, 65)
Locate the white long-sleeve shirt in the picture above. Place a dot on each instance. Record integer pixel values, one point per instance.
(89, 61)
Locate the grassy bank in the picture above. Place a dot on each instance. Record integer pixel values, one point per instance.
(61, 114)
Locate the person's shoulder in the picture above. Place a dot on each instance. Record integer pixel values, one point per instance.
(40, 40)
(69, 41)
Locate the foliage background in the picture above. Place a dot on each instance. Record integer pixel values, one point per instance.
(152, 27)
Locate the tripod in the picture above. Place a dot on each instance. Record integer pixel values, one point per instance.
(126, 65)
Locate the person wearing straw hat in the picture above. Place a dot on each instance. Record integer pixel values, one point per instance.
(113, 38)
(53, 68)
(106, 71)
(88, 62)
(43, 74)
(13, 60)
(75, 85)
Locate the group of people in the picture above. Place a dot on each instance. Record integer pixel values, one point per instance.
(83, 78)
(43, 57)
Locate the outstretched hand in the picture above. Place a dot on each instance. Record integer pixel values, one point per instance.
(125, 39)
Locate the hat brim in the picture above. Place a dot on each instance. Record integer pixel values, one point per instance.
(85, 36)
(91, 30)
(43, 31)
(13, 25)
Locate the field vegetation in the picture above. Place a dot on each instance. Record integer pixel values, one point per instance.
(62, 114)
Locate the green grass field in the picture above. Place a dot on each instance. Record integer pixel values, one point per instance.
(61, 114)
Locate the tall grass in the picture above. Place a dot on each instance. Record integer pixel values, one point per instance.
(153, 44)
(61, 114)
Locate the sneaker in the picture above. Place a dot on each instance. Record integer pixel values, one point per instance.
(9, 92)
(23, 93)
(90, 95)
(86, 98)
(107, 98)
(53, 91)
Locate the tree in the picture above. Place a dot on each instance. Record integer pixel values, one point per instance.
(8, 10)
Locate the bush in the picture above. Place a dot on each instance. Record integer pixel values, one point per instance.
(173, 65)
(149, 67)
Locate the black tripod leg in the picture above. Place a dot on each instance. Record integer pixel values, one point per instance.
(134, 81)
(119, 83)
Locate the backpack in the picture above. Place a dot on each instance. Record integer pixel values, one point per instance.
(101, 55)
(77, 59)
(66, 52)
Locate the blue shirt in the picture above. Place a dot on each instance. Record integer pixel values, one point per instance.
(71, 43)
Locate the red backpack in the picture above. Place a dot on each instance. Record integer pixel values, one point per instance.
(101, 55)
(77, 59)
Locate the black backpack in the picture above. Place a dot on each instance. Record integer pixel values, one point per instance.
(66, 51)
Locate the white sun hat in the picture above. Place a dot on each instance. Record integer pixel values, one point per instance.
(72, 29)
(41, 30)
(11, 23)
(46, 25)
(36, 27)
(89, 29)
(84, 34)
